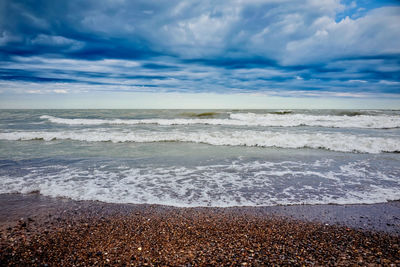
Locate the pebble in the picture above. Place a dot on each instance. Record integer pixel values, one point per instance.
(106, 236)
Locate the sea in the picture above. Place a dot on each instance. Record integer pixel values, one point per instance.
(216, 158)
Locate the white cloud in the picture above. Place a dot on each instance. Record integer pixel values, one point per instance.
(202, 34)
(60, 91)
(50, 40)
(291, 32)
(376, 33)
(357, 81)
(34, 91)
(389, 82)
(326, 6)
(43, 91)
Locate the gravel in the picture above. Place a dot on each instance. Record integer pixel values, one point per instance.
(85, 233)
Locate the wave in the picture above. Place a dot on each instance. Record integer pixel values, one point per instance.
(224, 185)
(329, 141)
(252, 119)
(281, 112)
(200, 115)
(330, 121)
(351, 113)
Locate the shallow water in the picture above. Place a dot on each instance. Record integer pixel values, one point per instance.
(203, 158)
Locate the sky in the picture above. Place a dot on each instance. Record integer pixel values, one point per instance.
(200, 54)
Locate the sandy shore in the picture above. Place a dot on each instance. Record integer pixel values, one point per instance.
(37, 230)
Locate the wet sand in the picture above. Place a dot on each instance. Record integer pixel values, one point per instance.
(37, 230)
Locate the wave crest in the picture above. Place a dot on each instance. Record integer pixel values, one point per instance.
(252, 119)
(333, 141)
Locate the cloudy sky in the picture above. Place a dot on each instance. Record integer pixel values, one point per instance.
(193, 54)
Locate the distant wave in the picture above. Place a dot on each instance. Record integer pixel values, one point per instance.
(252, 119)
(332, 141)
(331, 121)
(200, 115)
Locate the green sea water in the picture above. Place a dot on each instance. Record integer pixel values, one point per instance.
(203, 157)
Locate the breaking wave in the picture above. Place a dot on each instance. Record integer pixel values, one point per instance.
(224, 185)
(253, 119)
(330, 141)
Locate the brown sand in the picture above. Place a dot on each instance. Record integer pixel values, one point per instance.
(58, 232)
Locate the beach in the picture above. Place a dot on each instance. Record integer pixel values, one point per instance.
(199, 187)
(43, 231)
(199, 133)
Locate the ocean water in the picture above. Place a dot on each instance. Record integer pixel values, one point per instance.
(203, 158)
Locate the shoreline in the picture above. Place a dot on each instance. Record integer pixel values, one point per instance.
(37, 230)
(379, 217)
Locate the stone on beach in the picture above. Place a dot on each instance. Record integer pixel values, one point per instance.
(118, 235)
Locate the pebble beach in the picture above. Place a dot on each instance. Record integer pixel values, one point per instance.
(41, 231)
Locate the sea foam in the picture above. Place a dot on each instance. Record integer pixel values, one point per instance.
(253, 119)
(330, 141)
(256, 183)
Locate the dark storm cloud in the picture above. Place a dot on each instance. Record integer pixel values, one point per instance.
(203, 46)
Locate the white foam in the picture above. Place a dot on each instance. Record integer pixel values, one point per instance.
(252, 119)
(330, 141)
(292, 120)
(224, 185)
